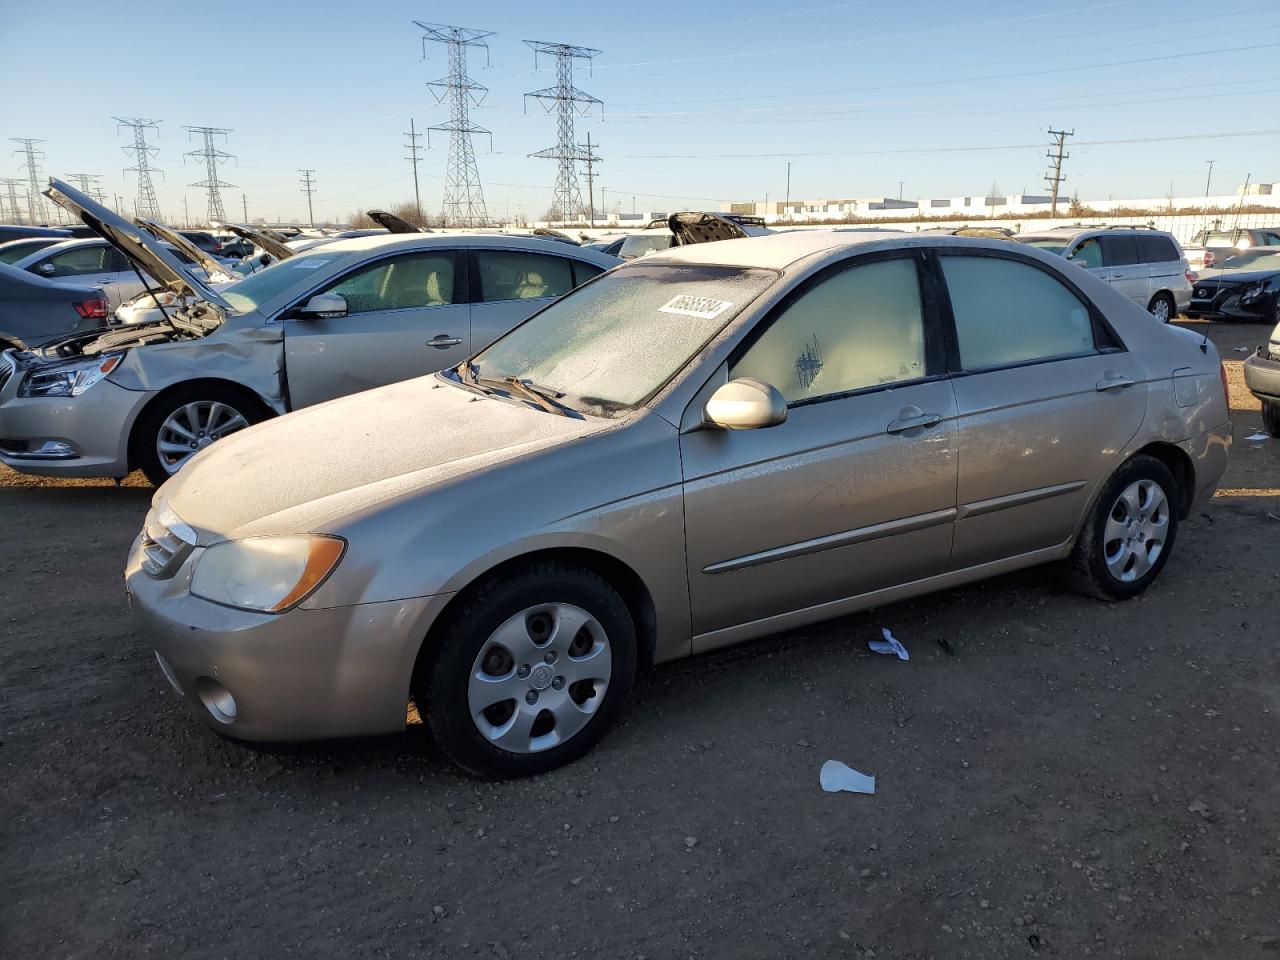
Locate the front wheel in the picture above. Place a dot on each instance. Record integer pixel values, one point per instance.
(182, 423)
(530, 672)
(1162, 307)
(1130, 532)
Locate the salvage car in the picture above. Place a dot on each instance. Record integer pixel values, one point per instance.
(350, 315)
(80, 262)
(696, 448)
(1243, 286)
(35, 311)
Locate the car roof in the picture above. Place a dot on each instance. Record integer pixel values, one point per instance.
(384, 241)
(779, 250)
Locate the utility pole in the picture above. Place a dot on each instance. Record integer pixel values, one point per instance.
(186, 217)
(144, 205)
(1209, 178)
(244, 207)
(787, 205)
(568, 102)
(211, 155)
(35, 204)
(900, 183)
(308, 187)
(590, 158)
(11, 185)
(414, 150)
(1056, 154)
(463, 196)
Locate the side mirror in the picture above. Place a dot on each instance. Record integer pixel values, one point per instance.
(746, 404)
(47, 269)
(322, 305)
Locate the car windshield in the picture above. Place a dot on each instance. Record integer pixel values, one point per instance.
(612, 344)
(1047, 244)
(1250, 261)
(245, 296)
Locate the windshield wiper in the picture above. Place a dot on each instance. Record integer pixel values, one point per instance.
(544, 397)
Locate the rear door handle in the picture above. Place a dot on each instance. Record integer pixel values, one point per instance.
(1114, 382)
(443, 341)
(923, 421)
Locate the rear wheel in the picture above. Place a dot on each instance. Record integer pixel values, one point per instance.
(185, 421)
(1162, 307)
(531, 671)
(1130, 533)
(1271, 417)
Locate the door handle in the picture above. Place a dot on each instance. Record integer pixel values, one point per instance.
(443, 341)
(1113, 382)
(923, 421)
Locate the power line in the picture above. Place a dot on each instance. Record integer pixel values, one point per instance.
(463, 196)
(567, 101)
(35, 204)
(308, 187)
(145, 204)
(1054, 181)
(414, 152)
(210, 154)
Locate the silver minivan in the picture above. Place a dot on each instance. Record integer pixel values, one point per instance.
(1147, 266)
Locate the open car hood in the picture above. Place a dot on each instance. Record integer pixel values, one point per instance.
(266, 241)
(393, 223)
(696, 227)
(554, 235)
(216, 270)
(143, 249)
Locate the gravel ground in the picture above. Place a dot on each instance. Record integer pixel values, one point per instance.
(1055, 776)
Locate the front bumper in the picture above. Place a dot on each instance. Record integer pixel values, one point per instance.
(96, 424)
(305, 674)
(1262, 375)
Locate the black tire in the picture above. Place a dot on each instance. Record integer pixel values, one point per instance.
(146, 429)
(1271, 417)
(441, 682)
(1169, 304)
(1088, 566)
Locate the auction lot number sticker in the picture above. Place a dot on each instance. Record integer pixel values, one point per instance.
(704, 308)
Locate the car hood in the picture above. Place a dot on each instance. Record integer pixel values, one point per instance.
(212, 267)
(696, 227)
(1237, 276)
(261, 239)
(147, 252)
(338, 460)
(393, 223)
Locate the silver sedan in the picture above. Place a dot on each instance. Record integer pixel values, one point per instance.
(708, 445)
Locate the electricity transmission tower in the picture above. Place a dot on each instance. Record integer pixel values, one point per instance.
(463, 197)
(568, 102)
(145, 205)
(414, 152)
(88, 184)
(1054, 181)
(35, 204)
(211, 155)
(308, 187)
(11, 185)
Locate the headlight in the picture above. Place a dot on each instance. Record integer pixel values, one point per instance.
(1253, 291)
(69, 380)
(267, 574)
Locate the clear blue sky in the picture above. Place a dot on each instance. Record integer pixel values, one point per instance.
(703, 101)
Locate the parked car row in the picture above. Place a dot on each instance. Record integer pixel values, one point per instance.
(508, 540)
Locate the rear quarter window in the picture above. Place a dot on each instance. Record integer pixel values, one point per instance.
(1158, 250)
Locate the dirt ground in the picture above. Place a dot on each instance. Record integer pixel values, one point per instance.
(1064, 778)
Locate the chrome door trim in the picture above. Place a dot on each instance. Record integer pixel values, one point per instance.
(875, 531)
(980, 508)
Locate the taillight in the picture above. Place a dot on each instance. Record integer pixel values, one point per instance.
(1192, 276)
(97, 309)
(1208, 257)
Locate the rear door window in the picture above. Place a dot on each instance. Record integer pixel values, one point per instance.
(1157, 249)
(515, 275)
(1120, 251)
(1010, 312)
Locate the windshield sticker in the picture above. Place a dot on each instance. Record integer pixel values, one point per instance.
(310, 264)
(704, 308)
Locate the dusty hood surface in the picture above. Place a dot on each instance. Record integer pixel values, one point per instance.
(338, 458)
